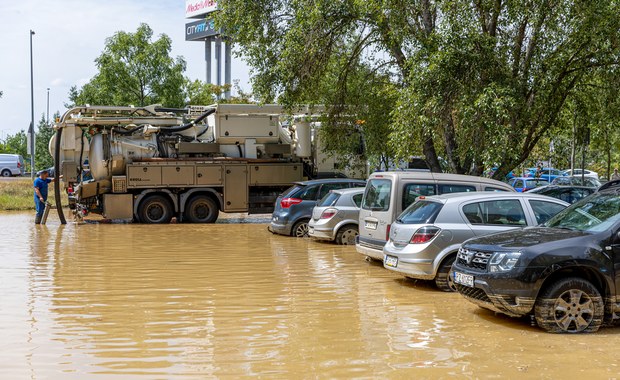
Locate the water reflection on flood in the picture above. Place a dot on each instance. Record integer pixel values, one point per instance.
(232, 300)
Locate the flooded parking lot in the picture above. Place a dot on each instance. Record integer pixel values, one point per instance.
(233, 300)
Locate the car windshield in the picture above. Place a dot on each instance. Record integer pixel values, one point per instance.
(420, 212)
(593, 214)
(377, 195)
(329, 199)
(535, 183)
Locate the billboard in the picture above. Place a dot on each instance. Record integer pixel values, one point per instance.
(199, 30)
(197, 8)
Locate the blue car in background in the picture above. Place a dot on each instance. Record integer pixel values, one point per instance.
(523, 184)
(547, 174)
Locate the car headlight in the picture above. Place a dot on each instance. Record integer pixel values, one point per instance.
(503, 261)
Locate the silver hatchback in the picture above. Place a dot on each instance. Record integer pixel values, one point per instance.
(425, 238)
(336, 216)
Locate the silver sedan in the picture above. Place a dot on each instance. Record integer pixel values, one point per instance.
(335, 217)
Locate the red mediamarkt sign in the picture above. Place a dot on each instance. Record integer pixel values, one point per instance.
(194, 8)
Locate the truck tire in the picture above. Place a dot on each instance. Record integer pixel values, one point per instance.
(155, 209)
(201, 209)
(346, 235)
(300, 229)
(570, 305)
(443, 280)
(6, 173)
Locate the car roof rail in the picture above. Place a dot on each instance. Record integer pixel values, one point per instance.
(608, 185)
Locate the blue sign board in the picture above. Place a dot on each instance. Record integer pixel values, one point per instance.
(199, 30)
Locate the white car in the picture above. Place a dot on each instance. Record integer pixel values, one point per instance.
(577, 172)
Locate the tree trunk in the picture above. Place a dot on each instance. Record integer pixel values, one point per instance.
(430, 153)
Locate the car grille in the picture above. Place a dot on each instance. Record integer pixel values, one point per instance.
(473, 259)
(473, 293)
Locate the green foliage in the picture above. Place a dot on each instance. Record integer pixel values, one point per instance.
(42, 158)
(478, 83)
(134, 69)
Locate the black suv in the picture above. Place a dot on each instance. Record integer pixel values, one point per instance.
(565, 272)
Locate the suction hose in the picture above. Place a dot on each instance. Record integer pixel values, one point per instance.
(57, 198)
(191, 123)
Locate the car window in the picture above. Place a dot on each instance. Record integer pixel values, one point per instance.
(326, 187)
(329, 199)
(377, 195)
(291, 190)
(413, 190)
(309, 193)
(595, 214)
(446, 189)
(357, 199)
(504, 212)
(536, 183)
(420, 212)
(490, 188)
(518, 183)
(544, 210)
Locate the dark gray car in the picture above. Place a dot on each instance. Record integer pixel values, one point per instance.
(293, 208)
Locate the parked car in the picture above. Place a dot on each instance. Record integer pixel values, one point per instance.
(293, 207)
(11, 165)
(576, 181)
(570, 194)
(547, 174)
(425, 238)
(336, 216)
(523, 184)
(387, 194)
(577, 172)
(565, 272)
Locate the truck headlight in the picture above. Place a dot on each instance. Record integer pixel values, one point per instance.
(503, 261)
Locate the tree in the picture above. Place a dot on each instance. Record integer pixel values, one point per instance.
(477, 82)
(134, 69)
(43, 159)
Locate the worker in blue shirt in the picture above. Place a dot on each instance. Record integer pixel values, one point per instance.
(40, 194)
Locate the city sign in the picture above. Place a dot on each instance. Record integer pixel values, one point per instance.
(198, 8)
(199, 30)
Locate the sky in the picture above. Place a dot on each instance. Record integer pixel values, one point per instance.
(69, 35)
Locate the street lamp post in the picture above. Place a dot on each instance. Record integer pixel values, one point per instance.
(31, 110)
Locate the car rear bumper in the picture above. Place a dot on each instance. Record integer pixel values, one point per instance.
(415, 268)
(321, 233)
(370, 247)
(282, 229)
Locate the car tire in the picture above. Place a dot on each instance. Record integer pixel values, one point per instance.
(300, 229)
(6, 173)
(570, 305)
(201, 209)
(346, 235)
(443, 281)
(155, 209)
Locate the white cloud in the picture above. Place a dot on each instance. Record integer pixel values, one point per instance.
(69, 35)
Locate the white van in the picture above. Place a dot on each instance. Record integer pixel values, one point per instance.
(387, 194)
(11, 165)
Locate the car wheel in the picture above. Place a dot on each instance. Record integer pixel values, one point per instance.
(443, 280)
(570, 305)
(201, 209)
(346, 235)
(155, 209)
(6, 173)
(300, 229)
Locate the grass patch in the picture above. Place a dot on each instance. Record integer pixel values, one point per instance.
(18, 195)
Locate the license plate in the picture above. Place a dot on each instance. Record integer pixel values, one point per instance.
(464, 279)
(370, 225)
(391, 261)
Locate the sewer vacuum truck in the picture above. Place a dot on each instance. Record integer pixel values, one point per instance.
(150, 164)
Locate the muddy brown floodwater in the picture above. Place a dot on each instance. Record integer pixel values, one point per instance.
(231, 300)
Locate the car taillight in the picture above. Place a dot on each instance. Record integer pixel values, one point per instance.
(329, 213)
(387, 232)
(424, 235)
(288, 202)
(19, 164)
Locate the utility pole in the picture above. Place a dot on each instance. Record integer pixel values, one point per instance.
(32, 171)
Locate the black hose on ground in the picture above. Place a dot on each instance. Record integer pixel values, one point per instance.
(57, 197)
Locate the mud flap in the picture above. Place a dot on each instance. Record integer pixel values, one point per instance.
(46, 212)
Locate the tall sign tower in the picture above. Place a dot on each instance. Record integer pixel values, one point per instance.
(203, 29)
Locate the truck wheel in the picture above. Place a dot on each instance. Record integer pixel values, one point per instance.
(6, 173)
(443, 280)
(300, 229)
(346, 235)
(570, 305)
(201, 209)
(155, 209)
